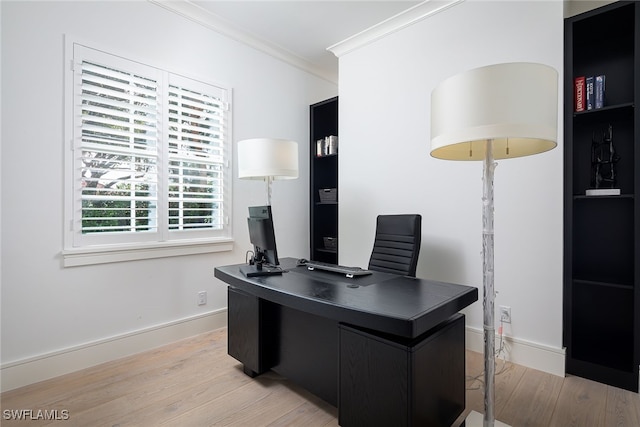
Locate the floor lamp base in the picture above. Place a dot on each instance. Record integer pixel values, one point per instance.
(476, 419)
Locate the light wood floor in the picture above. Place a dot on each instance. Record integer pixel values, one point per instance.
(195, 383)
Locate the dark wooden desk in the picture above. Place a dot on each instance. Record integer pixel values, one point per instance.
(387, 352)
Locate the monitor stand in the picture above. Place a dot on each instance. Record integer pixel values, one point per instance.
(255, 271)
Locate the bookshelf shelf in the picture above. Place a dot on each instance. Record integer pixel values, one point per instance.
(578, 282)
(327, 251)
(605, 109)
(326, 156)
(601, 296)
(585, 197)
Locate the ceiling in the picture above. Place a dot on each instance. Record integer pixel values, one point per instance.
(302, 28)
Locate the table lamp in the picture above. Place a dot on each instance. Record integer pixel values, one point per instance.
(494, 112)
(267, 159)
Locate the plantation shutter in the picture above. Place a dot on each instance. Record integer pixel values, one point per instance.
(150, 155)
(195, 155)
(119, 150)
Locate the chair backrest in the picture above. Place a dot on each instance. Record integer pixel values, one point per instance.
(397, 244)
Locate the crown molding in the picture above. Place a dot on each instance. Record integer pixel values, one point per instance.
(216, 23)
(395, 23)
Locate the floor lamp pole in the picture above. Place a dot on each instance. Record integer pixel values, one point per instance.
(269, 180)
(488, 290)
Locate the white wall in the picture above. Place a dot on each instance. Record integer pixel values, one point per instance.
(49, 312)
(385, 166)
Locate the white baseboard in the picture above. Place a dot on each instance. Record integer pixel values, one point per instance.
(39, 368)
(34, 369)
(525, 353)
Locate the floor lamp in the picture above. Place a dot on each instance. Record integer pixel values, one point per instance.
(267, 159)
(489, 113)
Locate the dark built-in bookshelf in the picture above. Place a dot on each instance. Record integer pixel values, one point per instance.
(602, 232)
(324, 181)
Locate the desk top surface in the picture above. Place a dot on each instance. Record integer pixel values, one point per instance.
(388, 303)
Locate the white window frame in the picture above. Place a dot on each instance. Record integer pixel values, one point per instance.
(86, 249)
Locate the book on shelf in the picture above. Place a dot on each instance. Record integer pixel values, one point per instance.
(599, 90)
(579, 93)
(603, 192)
(589, 92)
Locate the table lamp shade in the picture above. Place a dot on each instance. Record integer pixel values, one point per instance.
(262, 158)
(514, 104)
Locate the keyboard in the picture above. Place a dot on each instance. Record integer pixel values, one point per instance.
(347, 271)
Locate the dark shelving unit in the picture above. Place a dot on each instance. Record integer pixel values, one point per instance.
(602, 233)
(324, 178)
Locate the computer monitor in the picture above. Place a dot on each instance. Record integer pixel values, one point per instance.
(265, 256)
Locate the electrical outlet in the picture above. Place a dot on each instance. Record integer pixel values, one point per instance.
(202, 297)
(505, 314)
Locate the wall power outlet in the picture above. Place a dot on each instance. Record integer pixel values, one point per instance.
(202, 297)
(505, 314)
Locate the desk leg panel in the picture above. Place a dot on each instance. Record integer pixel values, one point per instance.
(307, 352)
(251, 326)
(373, 381)
(385, 380)
(439, 376)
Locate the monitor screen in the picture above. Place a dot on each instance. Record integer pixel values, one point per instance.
(262, 236)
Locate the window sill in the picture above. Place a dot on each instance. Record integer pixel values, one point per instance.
(119, 253)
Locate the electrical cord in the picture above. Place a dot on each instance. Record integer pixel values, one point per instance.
(477, 381)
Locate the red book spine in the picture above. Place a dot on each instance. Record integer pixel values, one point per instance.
(579, 93)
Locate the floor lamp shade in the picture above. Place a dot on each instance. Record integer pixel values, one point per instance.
(262, 158)
(267, 159)
(514, 104)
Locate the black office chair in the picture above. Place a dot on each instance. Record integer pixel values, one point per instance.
(397, 244)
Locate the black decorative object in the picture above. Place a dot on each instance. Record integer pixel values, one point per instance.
(603, 160)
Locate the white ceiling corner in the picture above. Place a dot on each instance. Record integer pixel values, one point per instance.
(203, 16)
(308, 34)
(397, 22)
